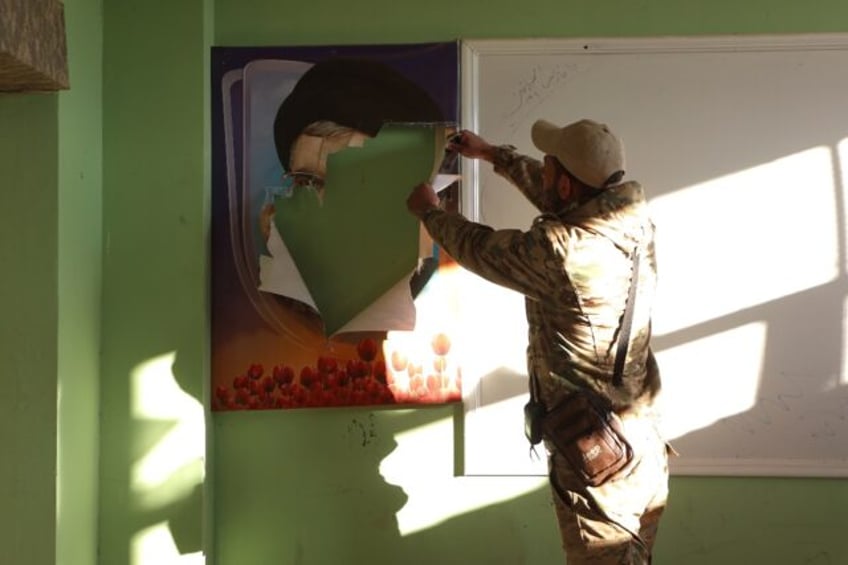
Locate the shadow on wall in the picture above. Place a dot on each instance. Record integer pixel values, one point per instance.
(154, 481)
(794, 414)
(308, 487)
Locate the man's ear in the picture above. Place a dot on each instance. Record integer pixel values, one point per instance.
(564, 187)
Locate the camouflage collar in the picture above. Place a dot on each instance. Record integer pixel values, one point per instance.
(619, 213)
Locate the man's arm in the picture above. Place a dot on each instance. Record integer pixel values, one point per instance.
(522, 171)
(510, 258)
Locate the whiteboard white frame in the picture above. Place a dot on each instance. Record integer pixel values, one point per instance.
(473, 49)
(471, 52)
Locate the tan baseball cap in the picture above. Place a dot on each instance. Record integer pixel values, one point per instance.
(589, 150)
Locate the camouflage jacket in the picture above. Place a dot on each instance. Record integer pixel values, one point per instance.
(574, 269)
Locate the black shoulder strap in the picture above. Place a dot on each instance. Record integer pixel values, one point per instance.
(626, 322)
(534, 387)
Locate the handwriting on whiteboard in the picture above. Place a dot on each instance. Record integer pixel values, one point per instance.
(531, 91)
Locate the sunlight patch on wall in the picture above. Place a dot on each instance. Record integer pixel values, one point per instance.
(842, 379)
(156, 545)
(842, 167)
(506, 450)
(455, 304)
(435, 494)
(173, 467)
(488, 347)
(489, 342)
(745, 239)
(709, 379)
(432, 342)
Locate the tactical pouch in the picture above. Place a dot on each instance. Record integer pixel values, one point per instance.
(589, 436)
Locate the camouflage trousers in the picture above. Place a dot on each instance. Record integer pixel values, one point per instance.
(615, 523)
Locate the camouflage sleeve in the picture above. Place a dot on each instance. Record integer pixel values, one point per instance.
(522, 171)
(507, 257)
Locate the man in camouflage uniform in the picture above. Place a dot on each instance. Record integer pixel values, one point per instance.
(574, 265)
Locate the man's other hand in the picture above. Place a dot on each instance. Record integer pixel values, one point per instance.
(422, 199)
(469, 144)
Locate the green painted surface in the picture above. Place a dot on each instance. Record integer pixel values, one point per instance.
(321, 487)
(266, 22)
(155, 202)
(28, 336)
(751, 520)
(79, 271)
(358, 237)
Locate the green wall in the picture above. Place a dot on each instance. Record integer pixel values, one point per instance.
(50, 251)
(28, 331)
(155, 199)
(267, 22)
(304, 487)
(79, 276)
(300, 488)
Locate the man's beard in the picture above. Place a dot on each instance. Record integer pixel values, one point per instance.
(553, 204)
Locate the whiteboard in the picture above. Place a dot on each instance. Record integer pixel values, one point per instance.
(741, 144)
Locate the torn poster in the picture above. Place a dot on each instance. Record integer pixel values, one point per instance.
(325, 290)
